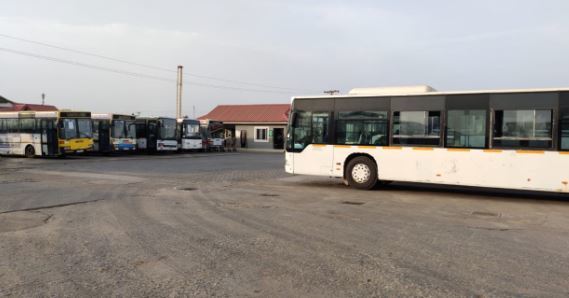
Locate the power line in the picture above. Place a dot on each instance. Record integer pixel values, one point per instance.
(147, 65)
(134, 74)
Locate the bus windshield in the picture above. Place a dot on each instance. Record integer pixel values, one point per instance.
(76, 128)
(130, 129)
(119, 130)
(168, 129)
(69, 130)
(192, 130)
(85, 128)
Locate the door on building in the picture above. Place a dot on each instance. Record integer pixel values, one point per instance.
(243, 139)
(278, 138)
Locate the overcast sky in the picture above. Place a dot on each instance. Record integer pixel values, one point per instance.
(308, 46)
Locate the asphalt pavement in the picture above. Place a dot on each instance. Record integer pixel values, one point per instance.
(236, 225)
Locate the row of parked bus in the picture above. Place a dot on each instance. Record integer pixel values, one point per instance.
(31, 133)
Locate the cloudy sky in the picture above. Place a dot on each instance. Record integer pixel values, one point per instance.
(301, 47)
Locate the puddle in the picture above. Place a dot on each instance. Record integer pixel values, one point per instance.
(17, 221)
(353, 203)
(486, 214)
(186, 188)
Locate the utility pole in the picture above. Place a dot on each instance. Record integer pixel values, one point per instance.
(43, 99)
(179, 93)
(194, 112)
(332, 92)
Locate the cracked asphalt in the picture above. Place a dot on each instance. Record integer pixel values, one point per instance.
(235, 225)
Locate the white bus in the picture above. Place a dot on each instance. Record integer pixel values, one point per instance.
(32, 133)
(192, 136)
(510, 139)
(114, 133)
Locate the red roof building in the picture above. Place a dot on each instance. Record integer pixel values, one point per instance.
(10, 106)
(255, 127)
(250, 114)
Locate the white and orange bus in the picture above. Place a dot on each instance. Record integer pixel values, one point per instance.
(510, 139)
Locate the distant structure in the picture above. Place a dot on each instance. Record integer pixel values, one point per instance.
(256, 127)
(10, 106)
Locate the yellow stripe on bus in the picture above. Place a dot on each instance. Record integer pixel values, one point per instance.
(564, 152)
(458, 149)
(318, 145)
(493, 150)
(530, 152)
(423, 148)
(392, 148)
(367, 147)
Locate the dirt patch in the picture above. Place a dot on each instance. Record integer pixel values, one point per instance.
(17, 221)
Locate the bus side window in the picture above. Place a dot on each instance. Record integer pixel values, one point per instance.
(320, 126)
(362, 128)
(466, 129)
(523, 129)
(417, 128)
(565, 130)
(12, 125)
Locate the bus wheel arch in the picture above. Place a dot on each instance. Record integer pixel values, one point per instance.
(29, 151)
(361, 171)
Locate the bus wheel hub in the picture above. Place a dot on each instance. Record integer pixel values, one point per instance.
(361, 173)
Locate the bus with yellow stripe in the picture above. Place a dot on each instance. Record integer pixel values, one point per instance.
(31, 133)
(509, 139)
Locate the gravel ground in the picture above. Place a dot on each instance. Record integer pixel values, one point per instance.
(235, 225)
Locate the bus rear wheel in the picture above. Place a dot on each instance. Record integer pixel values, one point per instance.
(362, 173)
(30, 152)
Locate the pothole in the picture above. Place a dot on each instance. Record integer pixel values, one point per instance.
(269, 195)
(187, 188)
(353, 203)
(17, 221)
(486, 214)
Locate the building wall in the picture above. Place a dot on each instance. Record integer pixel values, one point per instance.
(251, 142)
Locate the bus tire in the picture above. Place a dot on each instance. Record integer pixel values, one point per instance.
(362, 173)
(30, 151)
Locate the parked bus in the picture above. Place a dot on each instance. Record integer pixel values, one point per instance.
(215, 134)
(156, 134)
(510, 139)
(192, 136)
(32, 133)
(113, 133)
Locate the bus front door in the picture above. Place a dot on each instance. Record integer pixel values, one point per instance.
(152, 137)
(49, 139)
(104, 137)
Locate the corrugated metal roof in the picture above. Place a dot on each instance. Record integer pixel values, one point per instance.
(257, 113)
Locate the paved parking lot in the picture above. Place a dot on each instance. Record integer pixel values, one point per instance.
(234, 224)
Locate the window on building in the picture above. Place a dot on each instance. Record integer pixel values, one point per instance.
(362, 128)
(523, 129)
(417, 128)
(261, 134)
(565, 130)
(466, 128)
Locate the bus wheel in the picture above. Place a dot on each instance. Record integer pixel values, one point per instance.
(362, 173)
(30, 151)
